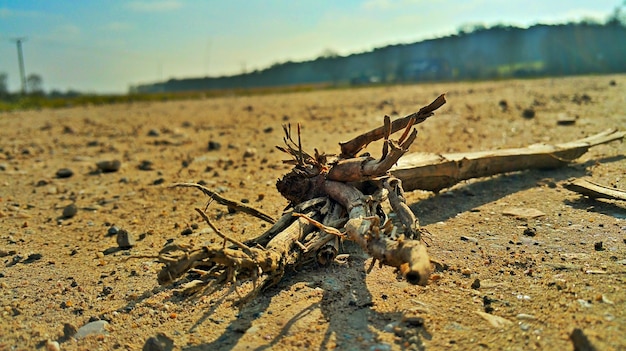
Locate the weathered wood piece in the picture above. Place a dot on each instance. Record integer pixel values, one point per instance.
(434, 172)
(594, 190)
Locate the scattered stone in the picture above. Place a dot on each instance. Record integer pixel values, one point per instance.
(64, 173)
(523, 213)
(32, 258)
(612, 82)
(52, 346)
(504, 105)
(161, 342)
(530, 231)
(70, 211)
(187, 231)
(250, 152)
(495, 321)
(268, 129)
(580, 341)
(391, 326)
(565, 120)
(125, 240)
(214, 145)
(154, 132)
(113, 230)
(476, 284)
(469, 238)
(598, 246)
(146, 165)
(109, 166)
(42, 182)
(96, 327)
(528, 113)
(107, 290)
(158, 181)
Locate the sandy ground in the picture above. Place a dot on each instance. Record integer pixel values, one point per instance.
(59, 273)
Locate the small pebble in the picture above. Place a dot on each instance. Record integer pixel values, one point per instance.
(70, 211)
(469, 238)
(598, 246)
(214, 146)
(250, 152)
(125, 240)
(161, 342)
(186, 231)
(153, 132)
(64, 173)
(565, 120)
(389, 327)
(528, 113)
(109, 166)
(530, 231)
(113, 230)
(96, 327)
(146, 165)
(476, 284)
(52, 346)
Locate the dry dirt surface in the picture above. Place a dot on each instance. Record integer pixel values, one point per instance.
(551, 282)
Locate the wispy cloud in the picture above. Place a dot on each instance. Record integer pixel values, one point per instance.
(154, 6)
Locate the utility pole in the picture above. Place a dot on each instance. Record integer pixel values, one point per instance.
(20, 58)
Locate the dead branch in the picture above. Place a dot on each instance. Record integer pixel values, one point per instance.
(438, 171)
(350, 148)
(239, 206)
(594, 190)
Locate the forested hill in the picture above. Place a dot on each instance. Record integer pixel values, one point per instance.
(480, 53)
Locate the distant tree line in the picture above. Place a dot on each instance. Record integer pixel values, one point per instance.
(475, 52)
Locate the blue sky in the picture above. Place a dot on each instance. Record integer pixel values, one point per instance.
(105, 46)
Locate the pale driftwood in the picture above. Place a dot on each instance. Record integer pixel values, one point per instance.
(594, 190)
(434, 172)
